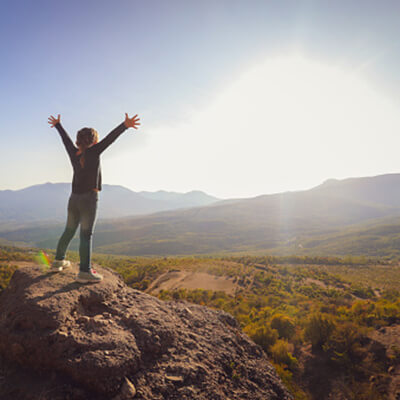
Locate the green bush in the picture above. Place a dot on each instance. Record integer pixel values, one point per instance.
(345, 345)
(263, 335)
(281, 352)
(318, 329)
(284, 325)
(6, 272)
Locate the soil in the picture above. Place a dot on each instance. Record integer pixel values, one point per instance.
(192, 280)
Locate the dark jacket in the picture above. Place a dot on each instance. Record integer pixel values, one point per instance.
(88, 178)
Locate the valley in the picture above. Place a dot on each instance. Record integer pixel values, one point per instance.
(327, 319)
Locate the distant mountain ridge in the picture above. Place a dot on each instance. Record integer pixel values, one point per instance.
(381, 189)
(325, 220)
(195, 197)
(49, 202)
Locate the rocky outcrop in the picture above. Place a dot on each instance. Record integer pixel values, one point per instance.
(106, 340)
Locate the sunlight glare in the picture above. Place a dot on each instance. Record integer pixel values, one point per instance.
(287, 123)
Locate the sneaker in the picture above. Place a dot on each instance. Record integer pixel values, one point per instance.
(89, 277)
(58, 265)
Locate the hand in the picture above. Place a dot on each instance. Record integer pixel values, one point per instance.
(131, 122)
(53, 121)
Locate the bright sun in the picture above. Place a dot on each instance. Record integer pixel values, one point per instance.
(287, 123)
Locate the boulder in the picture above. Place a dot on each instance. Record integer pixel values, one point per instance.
(66, 340)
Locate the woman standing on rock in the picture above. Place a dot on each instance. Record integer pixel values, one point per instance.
(86, 183)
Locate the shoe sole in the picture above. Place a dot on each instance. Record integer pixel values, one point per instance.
(83, 280)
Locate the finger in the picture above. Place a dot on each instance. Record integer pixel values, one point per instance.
(134, 116)
(58, 116)
(126, 116)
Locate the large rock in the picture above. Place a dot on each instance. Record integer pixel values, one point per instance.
(106, 340)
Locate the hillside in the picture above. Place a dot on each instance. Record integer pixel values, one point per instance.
(378, 190)
(318, 319)
(355, 216)
(48, 202)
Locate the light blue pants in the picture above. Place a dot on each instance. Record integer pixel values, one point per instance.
(82, 209)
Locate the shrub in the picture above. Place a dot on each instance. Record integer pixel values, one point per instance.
(6, 272)
(281, 352)
(344, 345)
(284, 325)
(318, 329)
(263, 335)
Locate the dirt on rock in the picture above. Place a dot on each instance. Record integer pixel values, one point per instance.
(63, 340)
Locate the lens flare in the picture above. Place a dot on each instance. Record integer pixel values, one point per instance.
(43, 258)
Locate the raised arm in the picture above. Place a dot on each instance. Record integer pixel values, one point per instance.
(69, 146)
(113, 135)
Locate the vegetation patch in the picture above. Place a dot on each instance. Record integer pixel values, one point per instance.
(318, 318)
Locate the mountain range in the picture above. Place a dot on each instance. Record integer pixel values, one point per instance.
(358, 216)
(48, 202)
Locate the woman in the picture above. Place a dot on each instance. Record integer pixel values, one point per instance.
(86, 183)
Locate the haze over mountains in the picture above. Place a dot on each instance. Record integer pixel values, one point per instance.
(352, 216)
(49, 202)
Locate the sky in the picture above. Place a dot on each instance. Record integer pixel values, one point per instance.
(236, 98)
